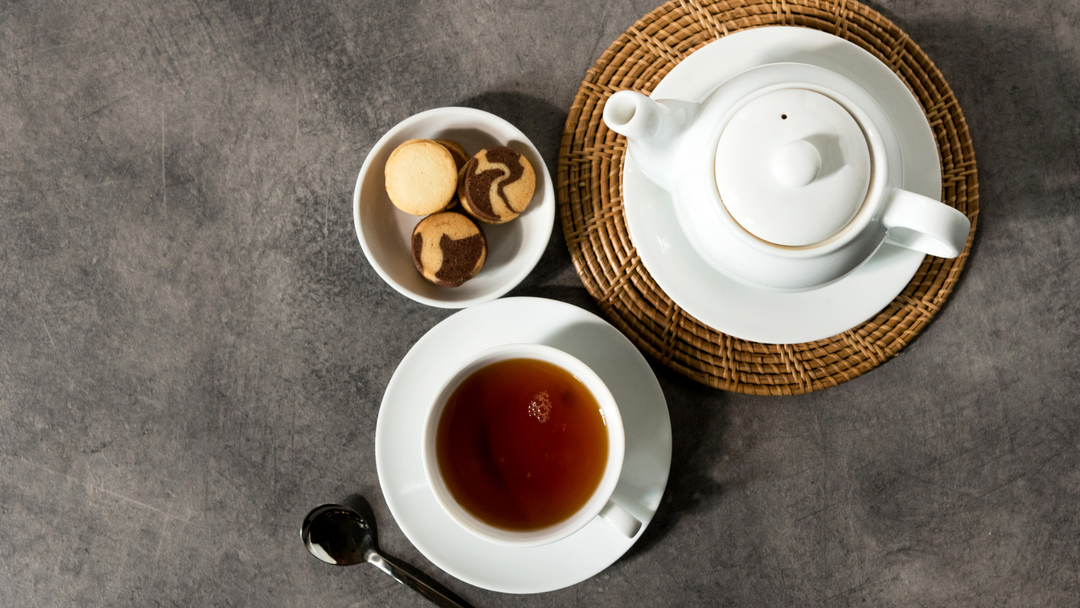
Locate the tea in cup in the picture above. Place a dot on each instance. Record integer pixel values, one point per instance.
(524, 446)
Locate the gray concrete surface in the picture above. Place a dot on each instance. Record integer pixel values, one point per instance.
(193, 347)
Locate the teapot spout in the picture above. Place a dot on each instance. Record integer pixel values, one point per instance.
(652, 128)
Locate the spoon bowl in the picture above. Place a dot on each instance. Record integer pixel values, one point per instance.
(340, 536)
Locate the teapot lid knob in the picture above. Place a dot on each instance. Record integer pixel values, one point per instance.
(797, 163)
(793, 167)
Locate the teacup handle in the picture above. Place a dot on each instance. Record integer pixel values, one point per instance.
(621, 519)
(923, 224)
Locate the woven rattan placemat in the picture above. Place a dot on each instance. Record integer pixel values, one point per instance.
(590, 200)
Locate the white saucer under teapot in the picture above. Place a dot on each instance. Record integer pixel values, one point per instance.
(787, 176)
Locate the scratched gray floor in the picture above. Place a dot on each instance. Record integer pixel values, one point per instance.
(193, 349)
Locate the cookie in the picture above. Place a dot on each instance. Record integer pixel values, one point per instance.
(448, 248)
(421, 177)
(461, 158)
(497, 185)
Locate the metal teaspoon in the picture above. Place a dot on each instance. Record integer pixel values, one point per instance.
(339, 535)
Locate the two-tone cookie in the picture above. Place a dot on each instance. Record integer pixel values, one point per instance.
(421, 177)
(496, 185)
(461, 158)
(448, 248)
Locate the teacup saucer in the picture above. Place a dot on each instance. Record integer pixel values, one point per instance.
(412, 389)
(757, 314)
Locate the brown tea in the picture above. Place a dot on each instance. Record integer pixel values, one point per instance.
(522, 444)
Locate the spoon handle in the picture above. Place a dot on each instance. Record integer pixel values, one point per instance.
(439, 595)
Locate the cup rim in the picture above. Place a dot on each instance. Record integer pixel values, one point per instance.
(600, 496)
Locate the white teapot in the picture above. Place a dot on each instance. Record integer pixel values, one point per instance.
(786, 176)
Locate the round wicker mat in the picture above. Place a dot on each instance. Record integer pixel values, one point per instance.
(590, 200)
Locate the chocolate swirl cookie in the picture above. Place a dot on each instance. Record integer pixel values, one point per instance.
(461, 158)
(448, 248)
(497, 185)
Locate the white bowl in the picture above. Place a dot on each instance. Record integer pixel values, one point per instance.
(385, 233)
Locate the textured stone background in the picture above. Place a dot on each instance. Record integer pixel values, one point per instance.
(193, 347)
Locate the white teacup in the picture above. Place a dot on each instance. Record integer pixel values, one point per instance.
(600, 503)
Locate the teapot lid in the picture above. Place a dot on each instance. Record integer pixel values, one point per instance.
(793, 167)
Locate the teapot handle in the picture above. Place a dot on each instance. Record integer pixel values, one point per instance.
(923, 224)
